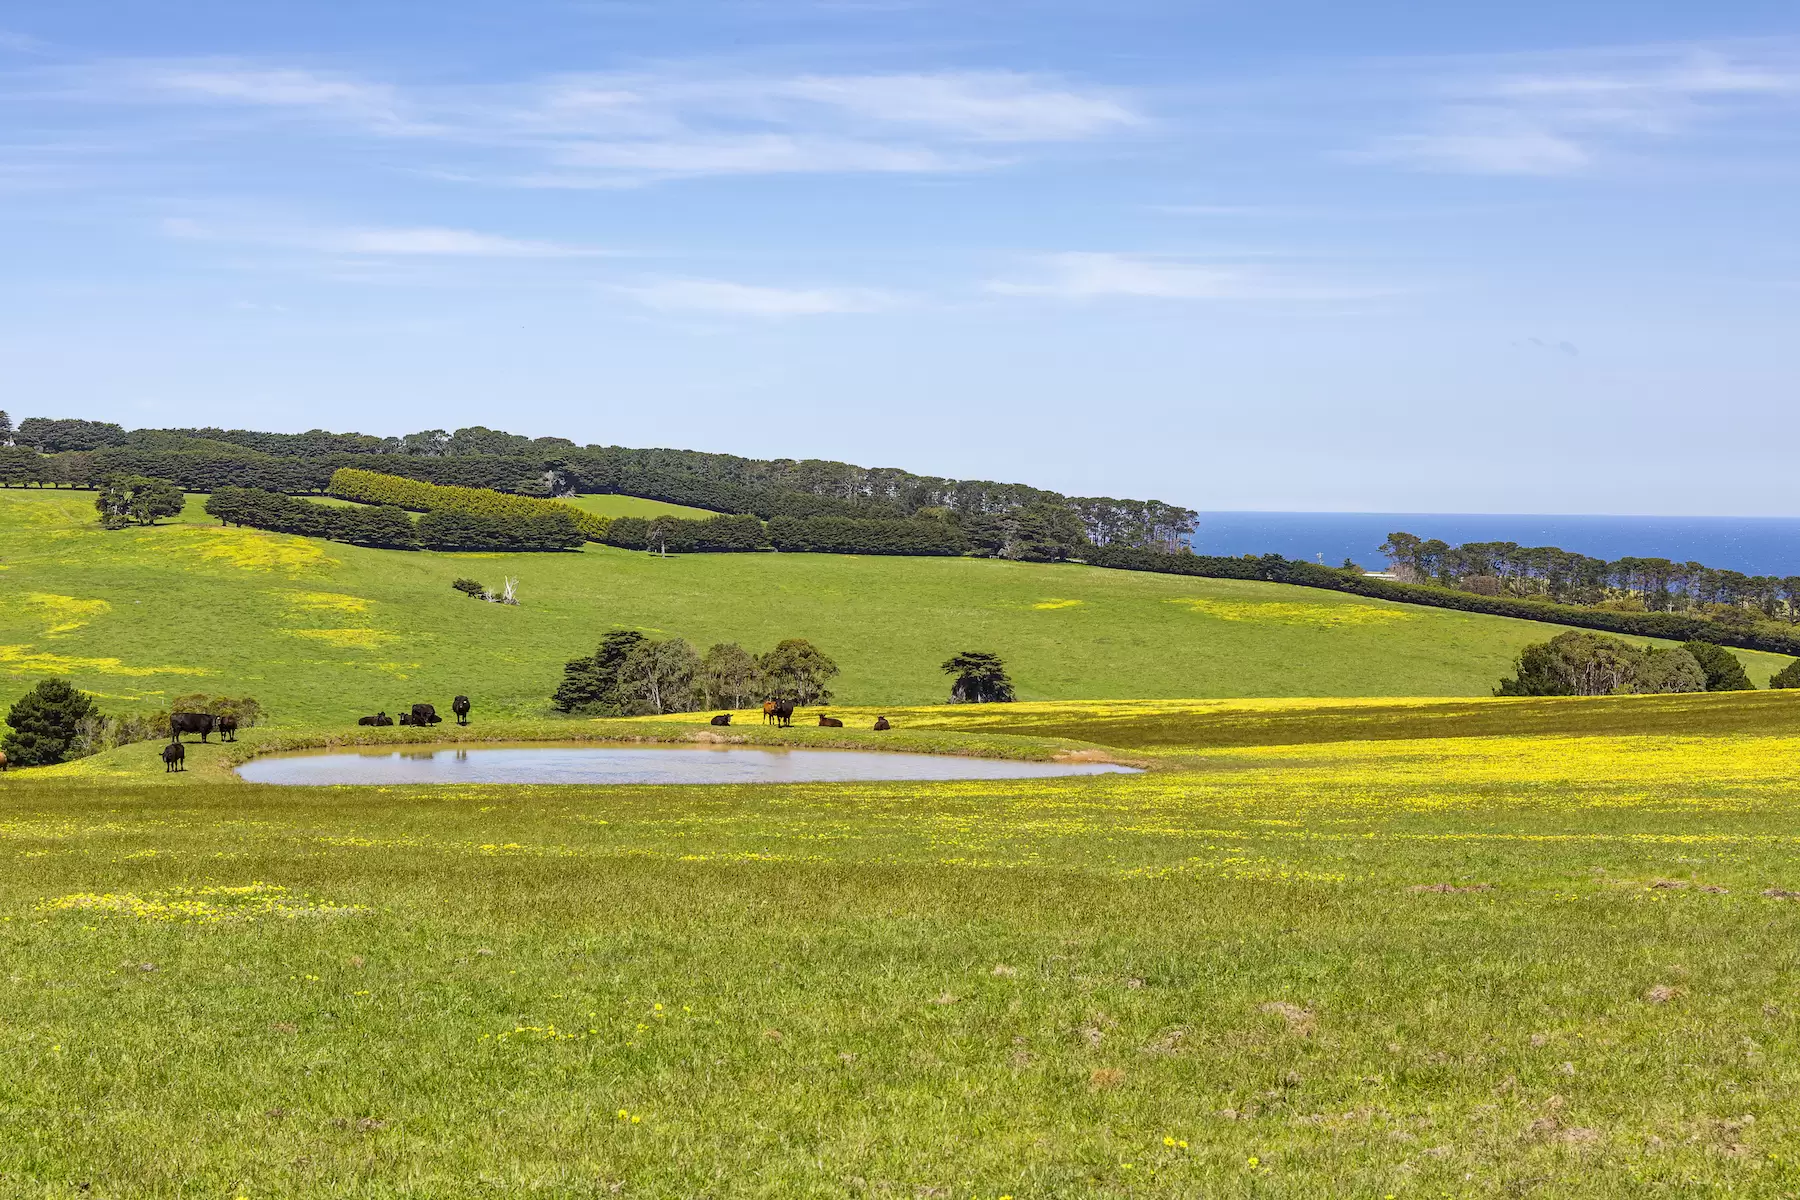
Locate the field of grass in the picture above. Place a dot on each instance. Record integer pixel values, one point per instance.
(322, 632)
(1558, 963)
(635, 506)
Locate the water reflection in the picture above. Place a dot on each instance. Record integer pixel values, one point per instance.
(541, 763)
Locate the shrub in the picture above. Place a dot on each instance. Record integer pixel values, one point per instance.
(469, 587)
(44, 723)
(980, 679)
(1787, 677)
(1724, 673)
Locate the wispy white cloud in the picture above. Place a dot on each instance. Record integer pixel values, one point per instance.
(1563, 114)
(1088, 275)
(405, 242)
(751, 300)
(589, 130)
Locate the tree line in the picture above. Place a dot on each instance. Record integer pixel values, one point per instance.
(1589, 664)
(1010, 519)
(632, 675)
(1565, 577)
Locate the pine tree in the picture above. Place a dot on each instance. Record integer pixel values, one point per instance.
(43, 722)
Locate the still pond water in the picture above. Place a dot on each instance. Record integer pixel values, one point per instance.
(540, 763)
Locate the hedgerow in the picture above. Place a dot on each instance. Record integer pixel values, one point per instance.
(374, 487)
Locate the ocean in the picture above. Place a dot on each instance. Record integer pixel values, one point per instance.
(1753, 545)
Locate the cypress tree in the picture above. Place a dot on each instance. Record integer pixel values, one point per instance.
(43, 722)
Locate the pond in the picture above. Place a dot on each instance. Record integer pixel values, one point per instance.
(589, 763)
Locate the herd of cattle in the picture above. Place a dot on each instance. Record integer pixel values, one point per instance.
(779, 713)
(421, 715)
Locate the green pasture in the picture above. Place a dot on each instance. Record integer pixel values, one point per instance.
(635, 506)
(321, 632)
(1556, 963)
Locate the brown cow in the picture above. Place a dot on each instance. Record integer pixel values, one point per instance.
(882, 723)
(826, 722)
(2, 761)
(769, 707)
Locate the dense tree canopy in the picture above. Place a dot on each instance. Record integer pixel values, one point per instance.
(797, 670)
(979, 678)
(1589, 664)
(592, 685)
(43, 723)
(127, 498)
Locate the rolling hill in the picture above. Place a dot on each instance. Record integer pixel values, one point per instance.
(320, 631)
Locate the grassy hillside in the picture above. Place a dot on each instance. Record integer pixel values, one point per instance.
(1478, 966)
(321, 632)
(634, 506)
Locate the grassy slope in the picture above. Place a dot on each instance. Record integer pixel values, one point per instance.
(321, 632)
(634, 506)
(1215, 980)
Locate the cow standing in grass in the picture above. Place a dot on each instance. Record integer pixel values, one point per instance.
(783, 712)
(200, 723)
(174, 755)
(2, 762)
(460, 706)
(769, 707)
(228, 728)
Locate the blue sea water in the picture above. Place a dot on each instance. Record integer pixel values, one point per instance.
(1753, 545)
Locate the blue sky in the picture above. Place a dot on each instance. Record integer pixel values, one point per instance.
(1529, 257)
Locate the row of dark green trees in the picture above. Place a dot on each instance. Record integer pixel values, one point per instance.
(1589, 664)
(1565, 577)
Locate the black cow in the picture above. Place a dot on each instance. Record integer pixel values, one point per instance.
(826, 722)
(380, 718)
(460, 706)
(783, 713)
(421, 715)
(200, 723)
(881, 723)
(228, 728)
(173, 755)
(722, 719)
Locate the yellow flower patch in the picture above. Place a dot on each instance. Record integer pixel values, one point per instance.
(1280, 612)
(67, 612)
(208, 905)
(1052, 605)
(325, 601)
(19, 659)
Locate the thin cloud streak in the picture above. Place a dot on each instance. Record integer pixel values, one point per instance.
(409, 242)
(1089, 275)
(724, 297)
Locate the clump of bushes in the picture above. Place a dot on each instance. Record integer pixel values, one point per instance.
(469, 587)
(1588, 664)
(245, 708)
(631, 675)
(1787, 677)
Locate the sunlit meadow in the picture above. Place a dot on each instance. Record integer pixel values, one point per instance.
(1558, 964)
